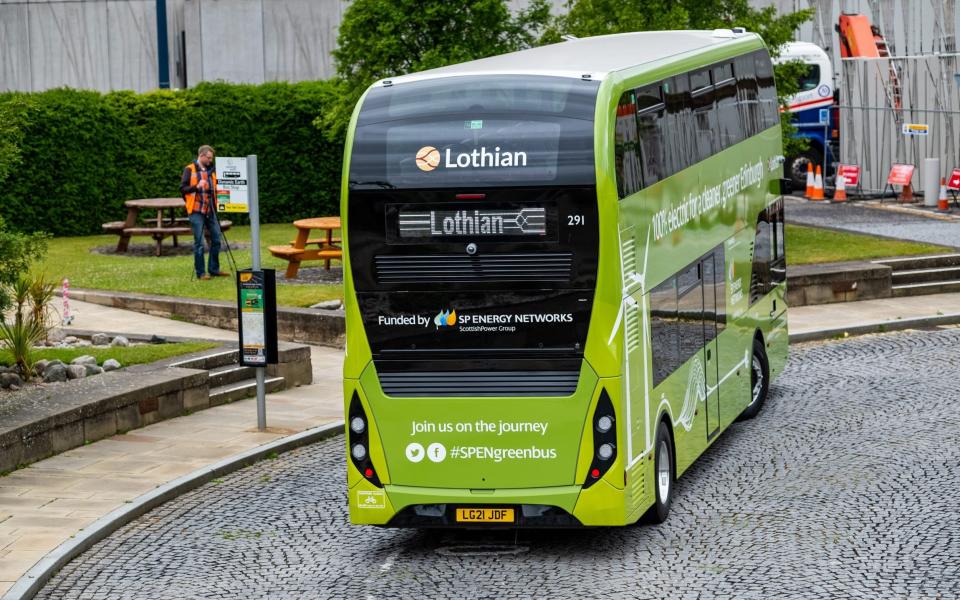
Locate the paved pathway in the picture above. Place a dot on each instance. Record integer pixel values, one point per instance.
(42, 505)
(845, 486)
(855, 216)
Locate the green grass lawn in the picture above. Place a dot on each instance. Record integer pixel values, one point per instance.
(173, 275)
(131, 355)
(809, 245)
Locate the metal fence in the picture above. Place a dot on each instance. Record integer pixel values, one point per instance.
(879, 96)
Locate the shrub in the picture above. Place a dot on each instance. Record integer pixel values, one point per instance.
(28, 324)
(17, 251)
(83, 153)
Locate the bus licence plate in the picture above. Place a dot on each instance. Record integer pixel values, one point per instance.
(485, 515)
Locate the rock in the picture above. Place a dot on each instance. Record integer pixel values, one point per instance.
(14, 388)
(100, 339)
(55, 373)
(55, 335)
(156, 339)
(84, 344)
(40, 366)
(55, 361)
(93, 369)
(111, 364)
(86, 359)
(120, 341)
(10, 379)
(76, 372)
(71, 339)
(328, 305)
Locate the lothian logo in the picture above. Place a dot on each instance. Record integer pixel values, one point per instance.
(429, 158)
(445, 318)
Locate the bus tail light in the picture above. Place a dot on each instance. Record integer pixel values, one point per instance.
(604, 439)
(358, 441)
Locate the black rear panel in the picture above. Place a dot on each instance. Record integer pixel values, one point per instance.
(473, 233)
(512, 305)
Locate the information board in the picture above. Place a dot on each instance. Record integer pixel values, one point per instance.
(954, 182)
(900, 175)
(257, 318)
(916, 129)
(850, 173)
(232, 190)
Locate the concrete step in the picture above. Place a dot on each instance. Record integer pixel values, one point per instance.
(943, 274)
(909, 263)
(213, 360)
(919, 289)
(244, 389)
(227, 374)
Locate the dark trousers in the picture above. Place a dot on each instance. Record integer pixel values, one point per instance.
(197, 222)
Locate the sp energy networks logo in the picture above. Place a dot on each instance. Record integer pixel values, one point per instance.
(445, 318)
(429, 158)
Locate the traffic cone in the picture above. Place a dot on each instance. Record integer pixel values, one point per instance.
(818, 186)
(840, 193)
(809, 193)
(943, 204)
(906, 195)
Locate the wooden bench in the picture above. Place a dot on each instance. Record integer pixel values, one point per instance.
(157, 233)
(296, 255)
(318, 241)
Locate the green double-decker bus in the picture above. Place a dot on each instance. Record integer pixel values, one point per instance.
(564, 277)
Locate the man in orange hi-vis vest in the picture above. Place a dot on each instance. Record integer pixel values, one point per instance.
(198, 186)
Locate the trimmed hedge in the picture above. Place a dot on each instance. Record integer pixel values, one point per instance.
(83, 153)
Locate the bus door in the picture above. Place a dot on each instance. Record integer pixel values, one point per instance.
(711, 350)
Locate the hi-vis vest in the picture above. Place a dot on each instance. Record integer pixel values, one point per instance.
(191, 198)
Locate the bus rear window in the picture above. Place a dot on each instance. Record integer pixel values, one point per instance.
(475, 132)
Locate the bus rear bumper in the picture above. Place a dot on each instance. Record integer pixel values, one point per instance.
(546, 507)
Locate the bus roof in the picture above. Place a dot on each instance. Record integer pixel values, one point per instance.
(596, 56)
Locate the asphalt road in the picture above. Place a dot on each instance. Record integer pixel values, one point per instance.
(846, 485)
(862, 219)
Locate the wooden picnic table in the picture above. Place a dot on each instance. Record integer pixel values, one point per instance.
(299, 250)
(165, 224)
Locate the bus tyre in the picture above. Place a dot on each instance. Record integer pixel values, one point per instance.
(663, 475)
(759, 380)
(796, 169)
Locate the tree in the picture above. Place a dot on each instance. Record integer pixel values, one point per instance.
(600, 17)
(387, 38)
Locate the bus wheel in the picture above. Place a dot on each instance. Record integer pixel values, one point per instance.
(796, 169)
(759, 381)
(664, 479)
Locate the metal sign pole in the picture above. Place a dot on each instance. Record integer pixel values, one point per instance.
(254, 199)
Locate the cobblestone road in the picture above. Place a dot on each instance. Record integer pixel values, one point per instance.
(854, 217)
(846, 485)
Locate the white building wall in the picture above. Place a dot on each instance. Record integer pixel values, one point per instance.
(111, 44)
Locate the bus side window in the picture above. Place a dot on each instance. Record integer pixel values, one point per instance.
(677, 128)
(690, 317)
(626, 146)
(728, 115)
(704, 114)
(720, 280)
(769, 256)
(715, 293)
(768, 91)
(778, 271)
(663, 329)
(650, 109)
(747, 95)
